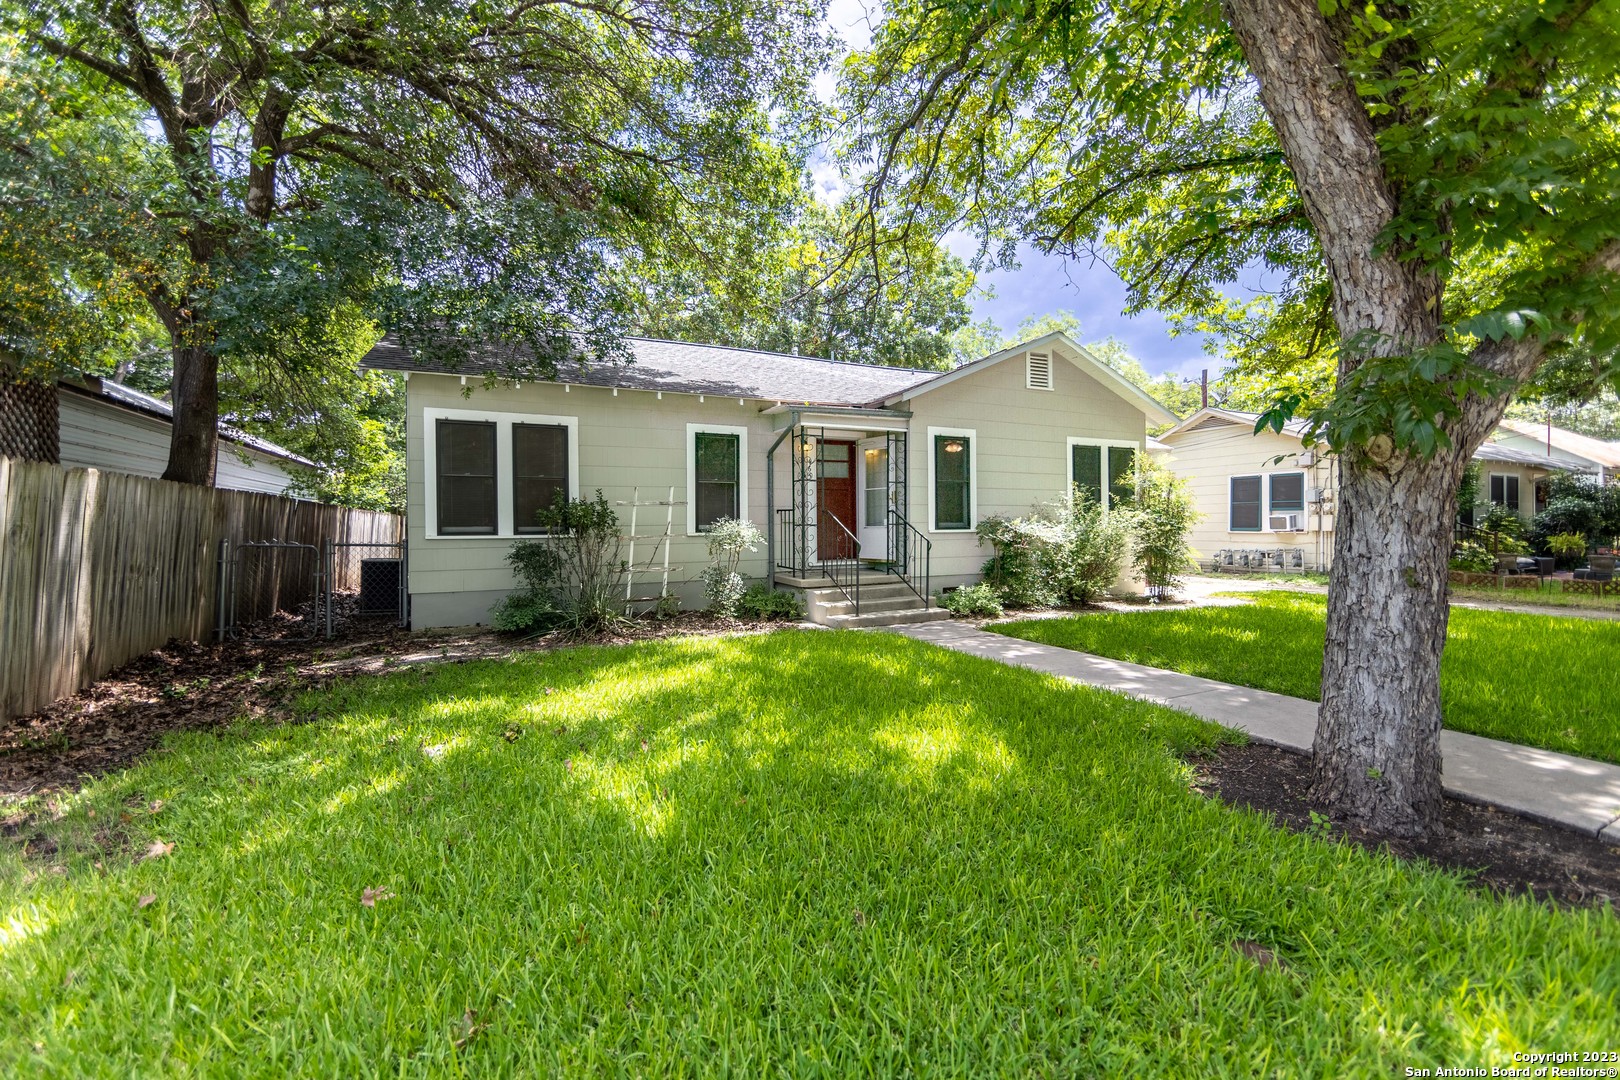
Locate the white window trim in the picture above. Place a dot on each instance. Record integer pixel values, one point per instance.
(692, 432)
(1264, 499)
(1505, 477)
(972, 436)
(1068, 463)
(503, 422)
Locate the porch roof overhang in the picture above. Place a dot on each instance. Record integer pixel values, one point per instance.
(843, 417)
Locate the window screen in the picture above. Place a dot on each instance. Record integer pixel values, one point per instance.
(1121, 473)
(952, 482)
(1287, 492)
(718, 477)
(1245, 505)
(465, 453)
(539, 471)
(1088, 470)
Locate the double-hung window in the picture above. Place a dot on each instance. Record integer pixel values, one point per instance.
(1243, 509)
(716, 484)
(465, 465)
(489, 473)
(539, 472)
(951, 488)
(1505, 491)
(1104, 471)
(1287, 492)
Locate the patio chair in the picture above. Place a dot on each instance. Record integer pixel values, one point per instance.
(1597, 568)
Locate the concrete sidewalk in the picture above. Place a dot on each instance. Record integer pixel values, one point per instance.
(1556, 788)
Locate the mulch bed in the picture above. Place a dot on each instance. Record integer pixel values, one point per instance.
(1498, 851)
(189, 686)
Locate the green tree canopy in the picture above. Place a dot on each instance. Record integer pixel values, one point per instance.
(455, 172)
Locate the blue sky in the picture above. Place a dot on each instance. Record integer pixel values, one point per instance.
(1041, 283)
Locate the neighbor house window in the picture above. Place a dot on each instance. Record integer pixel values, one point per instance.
(1505, 491)
(1103, 470)
(539, 472)
(1244, 509)
(1287, 492)
(951, 491)
(490, 473)
(715, 475)
(466, 478)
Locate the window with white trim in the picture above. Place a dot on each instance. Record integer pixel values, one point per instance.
(1505, 491)
(1243, 506)
(489, 473)
(953, 466)
(1103, 469)
(716, 475)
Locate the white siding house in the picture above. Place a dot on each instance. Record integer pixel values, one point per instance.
(106, 425)
(1270, 493)
(880, 471)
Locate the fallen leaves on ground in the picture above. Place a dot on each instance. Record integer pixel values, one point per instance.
(146, 900)
(369, 896)
(158, 849)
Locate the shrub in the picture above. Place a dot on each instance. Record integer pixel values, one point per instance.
(1084, 560)
(1471, 557)
(1499, 532)
(972, 600)
(570, 578)
(769, 604)
(1161, 515)
(1018, 571)
(1567, 545)
(722, 585)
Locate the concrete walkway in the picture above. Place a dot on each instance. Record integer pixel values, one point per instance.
(1569, 791)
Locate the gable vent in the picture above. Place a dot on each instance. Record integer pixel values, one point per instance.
(1038, 371)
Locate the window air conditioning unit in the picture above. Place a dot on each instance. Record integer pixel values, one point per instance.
(1286, 523)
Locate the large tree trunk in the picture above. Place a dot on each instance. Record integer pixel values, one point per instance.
(194, 441)
(1377, 749)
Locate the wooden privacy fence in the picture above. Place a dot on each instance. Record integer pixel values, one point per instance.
(97, 568)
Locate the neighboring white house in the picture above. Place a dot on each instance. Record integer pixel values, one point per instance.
(106, 425)
(849, 469)
(1269, 493)
(1589, 455)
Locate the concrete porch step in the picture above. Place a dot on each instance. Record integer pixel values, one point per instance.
(837, 605)
(888, 590)
(822, 581)
(888, 618)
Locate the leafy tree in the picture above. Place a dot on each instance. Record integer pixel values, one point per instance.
(307, 168)
(1427, 188)
(797, 293)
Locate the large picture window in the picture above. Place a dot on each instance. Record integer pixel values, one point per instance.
(1287, 492)
(489, 473)
(467, 501)
(953, 482)
(1244, 509)
(539, 472)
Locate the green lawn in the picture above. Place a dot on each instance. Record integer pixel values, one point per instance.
(1534, 679)
(806, 853)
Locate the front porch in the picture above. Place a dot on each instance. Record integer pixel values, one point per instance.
(839, 532)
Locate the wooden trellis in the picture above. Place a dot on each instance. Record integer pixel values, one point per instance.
(657, 562)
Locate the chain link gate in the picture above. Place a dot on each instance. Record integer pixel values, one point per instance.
(365, 580)
(270, 590)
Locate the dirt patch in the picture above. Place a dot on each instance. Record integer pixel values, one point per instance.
(187, 686)
(1499, 852)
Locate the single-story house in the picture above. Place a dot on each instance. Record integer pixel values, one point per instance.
(855, 473)
(106, 425)
(1267, 495)
(1586, 454)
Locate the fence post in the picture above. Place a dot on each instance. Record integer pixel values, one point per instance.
(222, 584)
(331, 571)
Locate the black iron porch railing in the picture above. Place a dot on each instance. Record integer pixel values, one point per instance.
(910, 556)
(792, 543)
(843, 566)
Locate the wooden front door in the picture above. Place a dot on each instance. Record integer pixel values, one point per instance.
(835, 498)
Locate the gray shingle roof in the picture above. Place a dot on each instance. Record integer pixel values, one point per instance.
(682, 367)
(1496, 452)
